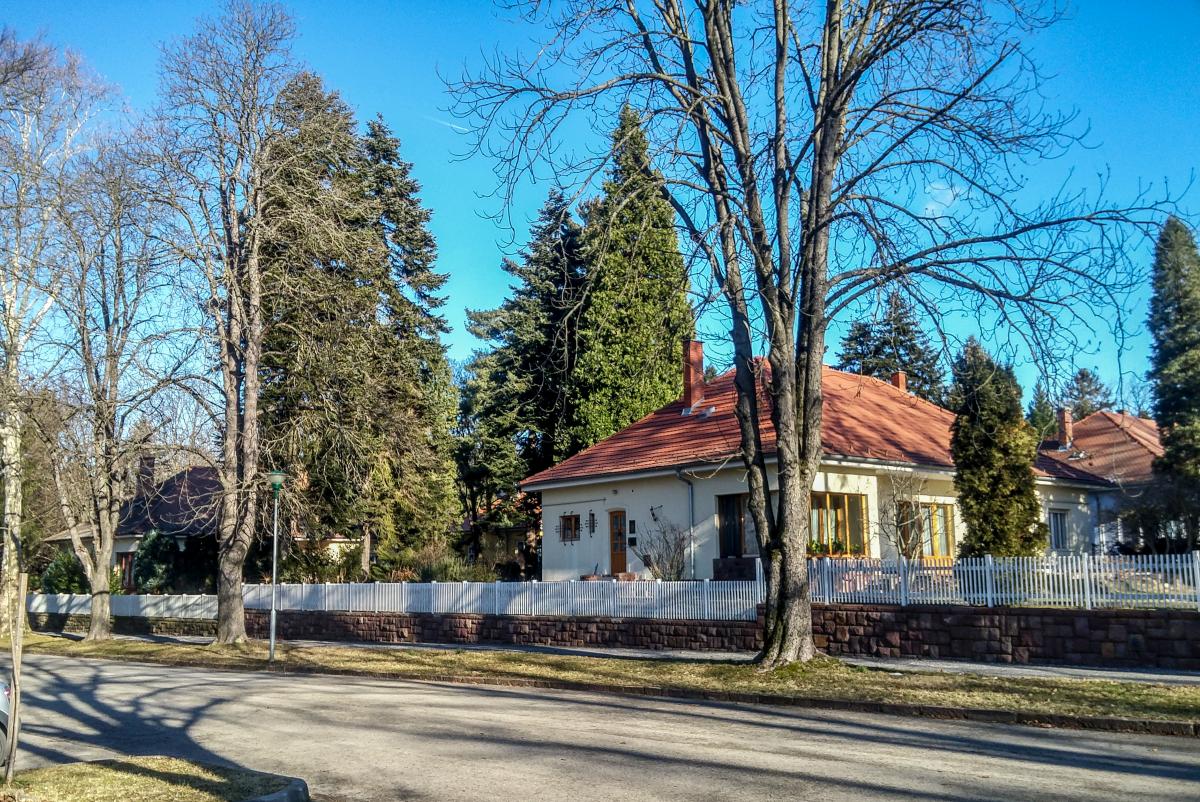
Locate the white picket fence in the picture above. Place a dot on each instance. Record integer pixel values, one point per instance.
(1079, 582)
(705, 600)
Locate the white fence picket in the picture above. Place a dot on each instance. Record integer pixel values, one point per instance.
(1148, 581)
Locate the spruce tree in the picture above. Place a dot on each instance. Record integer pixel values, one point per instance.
(1086, 394)
(893, 343)
(1041, 414)
(1170, 513)
(515, 397)
(521, 385)
(993, 449)
(637, 309)
(356, 401)
(1175, 357)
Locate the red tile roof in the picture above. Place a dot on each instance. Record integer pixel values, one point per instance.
(1114, 446)
(864, 418)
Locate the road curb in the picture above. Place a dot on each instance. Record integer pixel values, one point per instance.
(1184, 729)
(296, 791)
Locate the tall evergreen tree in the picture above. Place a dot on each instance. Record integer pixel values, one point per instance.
(1173, 510)
(521, 387)
(993, 449)
(893, 343)
(516, 397)
(1175, 357)
(357, 400)
(1086, 394)
(1040, 414)
(637, 309)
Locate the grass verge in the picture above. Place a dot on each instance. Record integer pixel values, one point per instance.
(822, 679)
(140, 779)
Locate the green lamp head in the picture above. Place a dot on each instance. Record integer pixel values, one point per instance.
(276, 480)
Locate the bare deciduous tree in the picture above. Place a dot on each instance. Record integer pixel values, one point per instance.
(900, 512)
(817, 154)
(664, 549)
(46, 101)
(116, 357)
(214, 131)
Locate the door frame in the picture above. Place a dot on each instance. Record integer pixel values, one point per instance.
(618, 537)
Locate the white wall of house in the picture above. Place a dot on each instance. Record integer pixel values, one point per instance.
(1080, 509)
(667, 496)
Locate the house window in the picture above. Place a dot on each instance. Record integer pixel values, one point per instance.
(1058, 530)
(838, 525)
(568, 528)
(934, 524)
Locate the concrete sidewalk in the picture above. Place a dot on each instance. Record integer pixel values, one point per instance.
(1147, 676)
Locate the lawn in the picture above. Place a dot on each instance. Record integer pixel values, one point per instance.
(824, 678)
(140, 779)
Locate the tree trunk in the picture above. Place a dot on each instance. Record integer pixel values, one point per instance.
(100, 627)
(365, 560)
(10, 460)
(231, 614)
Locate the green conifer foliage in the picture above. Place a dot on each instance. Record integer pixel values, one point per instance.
(993, 449)
(1041, 414)
(1175, 359)
(1086, 394)
(637, 310)
(893, 343)
(521, 386)
(516, 395)
(357, 399)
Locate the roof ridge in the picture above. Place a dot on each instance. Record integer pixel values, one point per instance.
(905, 393)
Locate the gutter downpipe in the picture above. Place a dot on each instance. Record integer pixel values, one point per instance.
(691, 518)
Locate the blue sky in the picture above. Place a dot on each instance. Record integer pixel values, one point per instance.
(1130, 69)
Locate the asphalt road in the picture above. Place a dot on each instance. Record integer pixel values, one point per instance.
(387, 740)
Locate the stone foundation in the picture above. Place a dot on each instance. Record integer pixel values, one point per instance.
(61, 622)
(1118, 638)
(632, 633)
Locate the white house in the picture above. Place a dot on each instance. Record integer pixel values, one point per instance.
(677, 469)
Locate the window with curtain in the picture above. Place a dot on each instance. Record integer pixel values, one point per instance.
(936, 524)
(839, 525)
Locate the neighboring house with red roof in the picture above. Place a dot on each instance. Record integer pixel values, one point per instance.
(679, 468)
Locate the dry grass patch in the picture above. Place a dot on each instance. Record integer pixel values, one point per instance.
(824, 678)
(140, 779)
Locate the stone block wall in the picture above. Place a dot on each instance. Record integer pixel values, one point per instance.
(1118, 638)
(61, 622)
(636, 633)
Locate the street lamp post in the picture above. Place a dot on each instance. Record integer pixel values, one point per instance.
(276, 479)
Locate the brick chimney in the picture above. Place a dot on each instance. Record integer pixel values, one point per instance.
(693, 372)
(145, 476)
(900, 380)
(1066, 428)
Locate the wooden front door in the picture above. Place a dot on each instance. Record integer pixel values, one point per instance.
(617, 541)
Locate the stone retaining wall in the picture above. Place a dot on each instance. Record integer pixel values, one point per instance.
(634, 633)
(61, 622)
(1129, 638)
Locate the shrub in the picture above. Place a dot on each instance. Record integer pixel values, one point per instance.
(434, 561)
(155, 564)
(64, 574)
